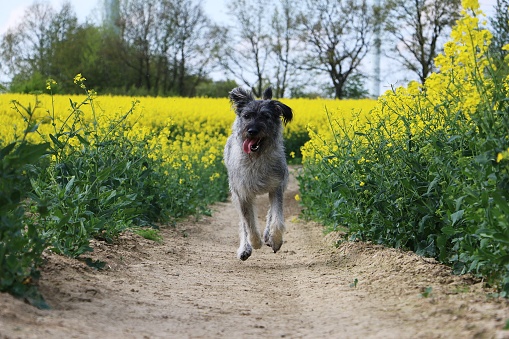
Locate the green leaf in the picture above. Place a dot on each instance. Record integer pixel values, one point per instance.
(32, 127)
(456, 216)
(69, 185)
(56, 141)
(97, 264)
(32, 153)
(504, 260)
(339, 186)
(34, 298)
(354, 284)
(6, 150)
(501, 201)
(427, 292)
(83, 140)
(441, 244)
(432, 184)
(449, 230)
(104, 174)
(454, 137)
(111, 196)
(459, 201)
(422, 222)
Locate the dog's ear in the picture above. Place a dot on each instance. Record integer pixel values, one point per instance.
(284, 111)
(239, 98)
(267, 94)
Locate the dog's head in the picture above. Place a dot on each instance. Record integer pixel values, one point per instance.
(259, 120)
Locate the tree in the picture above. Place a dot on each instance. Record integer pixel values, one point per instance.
(247, 48)
(284, 46)
(500, 24)
(417, 26)
(500, 30)
(167, 43)
(261, 49)
(25, 47)
(28, 50)
(338, 35)
(137, 26)
(189, 39)
(215, 89)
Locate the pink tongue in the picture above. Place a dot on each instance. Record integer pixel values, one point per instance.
(247, 145)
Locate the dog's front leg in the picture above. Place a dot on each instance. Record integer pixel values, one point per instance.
(245, 248)
(248, 231)
(273, 234)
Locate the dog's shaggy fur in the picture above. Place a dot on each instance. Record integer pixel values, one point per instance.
(255, 159)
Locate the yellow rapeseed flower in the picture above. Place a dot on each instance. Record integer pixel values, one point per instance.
(79, 78)
(470, 4)
(49, 83)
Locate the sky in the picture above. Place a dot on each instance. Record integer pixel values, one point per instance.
(12, 10)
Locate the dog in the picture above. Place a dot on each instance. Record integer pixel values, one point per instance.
(254, 156)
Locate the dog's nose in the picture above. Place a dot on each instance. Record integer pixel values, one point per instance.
(252, 131)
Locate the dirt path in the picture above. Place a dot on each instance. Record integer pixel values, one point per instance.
(192, 286)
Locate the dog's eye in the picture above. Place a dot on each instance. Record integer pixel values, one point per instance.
(247, 115)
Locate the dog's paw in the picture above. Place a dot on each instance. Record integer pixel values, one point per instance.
(256, 242)
(274, 240)
(244, 252)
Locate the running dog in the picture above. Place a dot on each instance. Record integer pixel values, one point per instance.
(254, 156)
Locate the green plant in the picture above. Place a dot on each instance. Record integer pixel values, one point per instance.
(426, 170)
(103, 177)
(354, 283)
(149, 233)
(426, 293)
(21, 240)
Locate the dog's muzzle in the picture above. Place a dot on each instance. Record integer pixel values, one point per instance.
(251, 145)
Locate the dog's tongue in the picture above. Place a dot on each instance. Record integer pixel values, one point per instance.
(247, 145)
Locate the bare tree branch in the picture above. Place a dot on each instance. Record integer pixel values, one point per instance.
(417, 26)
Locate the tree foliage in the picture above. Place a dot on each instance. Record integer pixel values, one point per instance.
(161, 47)
(500, 24)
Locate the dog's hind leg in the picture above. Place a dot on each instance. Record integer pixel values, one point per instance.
(248, 231)
(273, 234)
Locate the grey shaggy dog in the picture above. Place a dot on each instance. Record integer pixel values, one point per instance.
(255, 159)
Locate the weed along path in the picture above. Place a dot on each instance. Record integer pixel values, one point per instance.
(192, 286)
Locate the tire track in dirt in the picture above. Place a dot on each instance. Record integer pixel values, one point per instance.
(192, 286)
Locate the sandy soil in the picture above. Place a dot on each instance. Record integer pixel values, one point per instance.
(192, 286)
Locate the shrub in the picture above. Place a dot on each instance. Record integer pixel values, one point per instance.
(21, 240)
